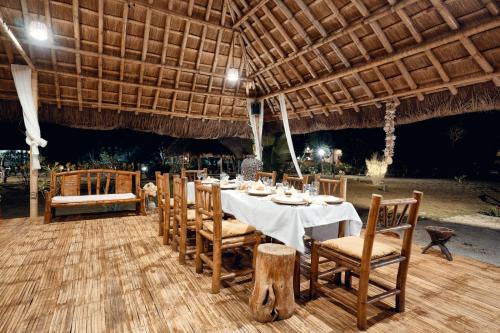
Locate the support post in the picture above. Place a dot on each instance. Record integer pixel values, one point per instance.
(34, 172)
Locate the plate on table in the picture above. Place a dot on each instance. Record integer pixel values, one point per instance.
(261, 193)
(209, 181)
(228, 186)
(286, 200)
(330, 199)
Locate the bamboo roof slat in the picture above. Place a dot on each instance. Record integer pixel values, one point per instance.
(170, 59)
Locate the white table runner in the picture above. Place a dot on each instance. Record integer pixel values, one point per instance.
(285, 223)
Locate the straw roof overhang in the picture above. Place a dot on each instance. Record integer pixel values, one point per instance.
(160, 65)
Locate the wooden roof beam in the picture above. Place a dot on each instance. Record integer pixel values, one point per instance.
(200, 52)
(78, 60)
(452, 22)
(53, 56)
(464, 81)
(249, 13)
(122, 52)
(144, 53)
(169, 11)
(15, 42)
(379, 32)
(479, 27)
(333, 35)
(100, 39)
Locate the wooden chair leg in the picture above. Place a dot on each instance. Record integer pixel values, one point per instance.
(364, 280)
(175, 233)
(217, 267)
(348, 279)
(160, 221)
(296, 275)
(313, 275)
(258, 237)
(182, 245)
(166, 230)
(48, 212)
(401, 285)
(200, 246)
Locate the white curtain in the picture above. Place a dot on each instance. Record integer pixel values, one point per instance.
(256, 125)
(284, 115)
(22, 81)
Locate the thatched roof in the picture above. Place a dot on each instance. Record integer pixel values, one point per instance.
(160, 65)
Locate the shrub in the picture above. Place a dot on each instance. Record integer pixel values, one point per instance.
(376, 169)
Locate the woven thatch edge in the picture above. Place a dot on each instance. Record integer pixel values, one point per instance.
(110, 120)
(477, 98)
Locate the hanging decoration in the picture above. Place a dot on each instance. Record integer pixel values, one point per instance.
(390, 138)
(288, 134)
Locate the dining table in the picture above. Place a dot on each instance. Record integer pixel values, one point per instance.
(289, 223)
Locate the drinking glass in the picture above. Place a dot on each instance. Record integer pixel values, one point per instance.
(199, 174)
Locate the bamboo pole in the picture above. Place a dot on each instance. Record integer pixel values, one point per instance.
(33, 172)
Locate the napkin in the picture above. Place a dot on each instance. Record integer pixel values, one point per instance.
(258, 186)
(280, 192)
(313, 200)
(293, 191)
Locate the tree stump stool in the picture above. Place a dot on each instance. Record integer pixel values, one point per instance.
(439, 236)
(272, 297)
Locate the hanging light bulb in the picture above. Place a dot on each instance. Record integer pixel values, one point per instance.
(38, 30)
(232, 75)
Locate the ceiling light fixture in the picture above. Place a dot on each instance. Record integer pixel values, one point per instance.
(38, 30)
(232, 75)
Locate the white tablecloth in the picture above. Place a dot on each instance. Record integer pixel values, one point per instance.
(285, 223)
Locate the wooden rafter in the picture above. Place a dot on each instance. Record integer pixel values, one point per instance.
(249, 13)
(78, 59)
(444, 39)
(145, 42)
(53, 56)
(122, 52)
(452, 22)
(100, 39)
(16, 43)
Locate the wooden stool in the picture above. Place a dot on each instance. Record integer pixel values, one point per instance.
(272, 297)
(439, 236)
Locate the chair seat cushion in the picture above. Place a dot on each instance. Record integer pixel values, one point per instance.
(352, 246)
(92, 198)
(231, 228)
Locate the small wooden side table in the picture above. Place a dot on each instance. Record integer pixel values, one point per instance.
(439, 237)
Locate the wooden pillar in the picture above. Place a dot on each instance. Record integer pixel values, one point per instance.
(33, 172)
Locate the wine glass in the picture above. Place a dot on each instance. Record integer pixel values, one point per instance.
(199, 174)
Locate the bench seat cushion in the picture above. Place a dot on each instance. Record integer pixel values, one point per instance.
(69, 199)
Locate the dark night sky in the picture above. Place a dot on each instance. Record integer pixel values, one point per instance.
(422, 149)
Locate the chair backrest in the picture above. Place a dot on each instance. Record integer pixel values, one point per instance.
(297, 182)
(271, 175)
(192, 175)
(163, 190)
(179, 212)
(385, 216)
(336, 187)
(69, 182)
(209, 208)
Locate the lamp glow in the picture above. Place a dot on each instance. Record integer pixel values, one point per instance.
(38, 30)
(232, 75)
(321, 152)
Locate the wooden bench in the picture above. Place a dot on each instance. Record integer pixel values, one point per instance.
(66, 190)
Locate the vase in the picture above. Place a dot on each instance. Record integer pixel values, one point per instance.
(249, 167)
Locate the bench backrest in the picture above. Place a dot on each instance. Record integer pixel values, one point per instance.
(97, 181)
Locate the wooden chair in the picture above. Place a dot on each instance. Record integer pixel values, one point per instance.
(357, 256)
(271, 175)
(163, 196)
(297, 182)
(335, 187)
(192, 175)
(183, 220)
(222, 234)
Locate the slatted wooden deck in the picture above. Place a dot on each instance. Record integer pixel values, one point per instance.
(112, 275)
